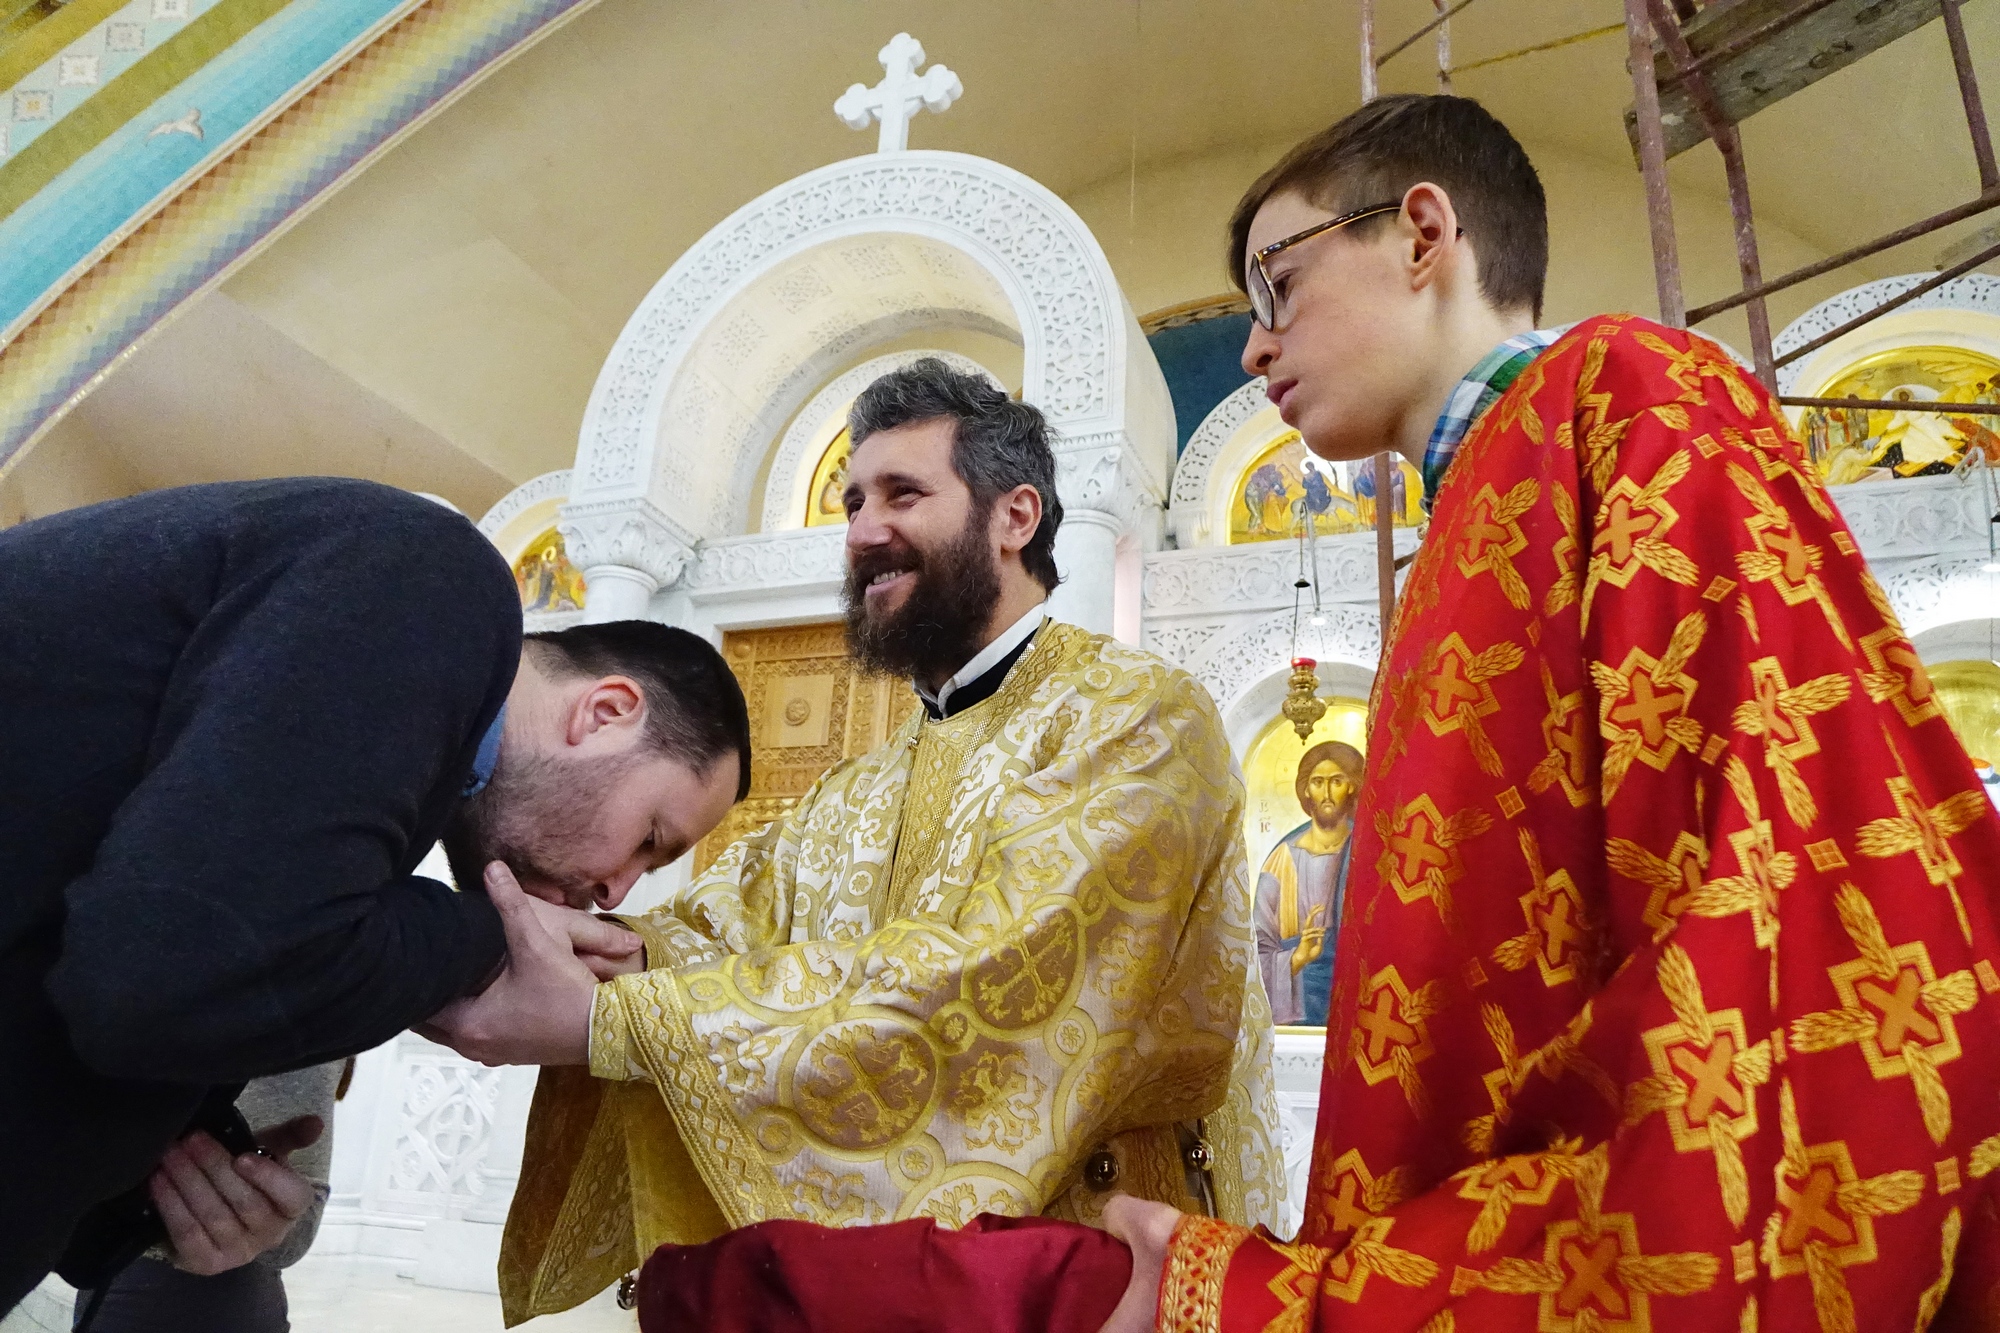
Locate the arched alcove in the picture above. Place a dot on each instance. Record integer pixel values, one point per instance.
(1245, 716)
(705, 374)
(1957, 640)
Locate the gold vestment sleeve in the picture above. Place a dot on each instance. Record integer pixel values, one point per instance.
(997, 948)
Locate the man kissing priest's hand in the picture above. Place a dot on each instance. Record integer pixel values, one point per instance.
(238, 716)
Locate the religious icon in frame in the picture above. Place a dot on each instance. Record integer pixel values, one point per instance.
(1296, 868)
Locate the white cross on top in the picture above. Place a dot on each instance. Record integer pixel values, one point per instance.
(900, 95)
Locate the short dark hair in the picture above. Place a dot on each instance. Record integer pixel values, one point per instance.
(1376, 154)
(694, 708)
(999, 443)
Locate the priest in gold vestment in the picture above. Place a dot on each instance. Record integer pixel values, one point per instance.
(1002, 964)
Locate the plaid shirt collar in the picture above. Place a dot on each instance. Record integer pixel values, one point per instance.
(1479, 390)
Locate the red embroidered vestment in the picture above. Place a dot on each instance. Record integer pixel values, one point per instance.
(1665, 992)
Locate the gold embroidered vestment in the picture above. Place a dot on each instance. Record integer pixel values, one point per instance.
(961, 966)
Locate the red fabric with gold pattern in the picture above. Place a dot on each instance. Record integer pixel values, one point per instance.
(1665, 990)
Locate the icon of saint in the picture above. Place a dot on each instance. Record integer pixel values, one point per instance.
(1298, 889)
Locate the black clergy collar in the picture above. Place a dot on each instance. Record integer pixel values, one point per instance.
(981, 687)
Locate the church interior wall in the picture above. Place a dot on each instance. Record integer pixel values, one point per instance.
(471, 280)
(1975, 638)
(70, 466)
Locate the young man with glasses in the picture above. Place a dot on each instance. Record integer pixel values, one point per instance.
(1664, 988)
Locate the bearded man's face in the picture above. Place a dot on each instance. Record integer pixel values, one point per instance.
(923, 566)
(1329, 794)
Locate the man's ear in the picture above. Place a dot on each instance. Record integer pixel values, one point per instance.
(1018, 515)
(609, 705)
(1430, 226)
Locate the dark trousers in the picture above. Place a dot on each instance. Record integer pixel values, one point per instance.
(68, 1137)
(152, 1297)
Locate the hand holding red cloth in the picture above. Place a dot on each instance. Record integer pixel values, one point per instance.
(997, 1275)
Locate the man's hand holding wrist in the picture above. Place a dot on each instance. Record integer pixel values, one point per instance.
(537, 1011)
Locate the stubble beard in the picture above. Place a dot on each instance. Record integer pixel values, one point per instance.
(944, 616)
(533, 810)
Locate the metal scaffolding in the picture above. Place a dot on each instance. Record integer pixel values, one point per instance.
(1723, 60)
(1700, 67)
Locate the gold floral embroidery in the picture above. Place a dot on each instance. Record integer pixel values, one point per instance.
(1642, 704)
(1896, 675)
(1673, 879)
(1197, 1262)
(1420, 857)
(1781, 715)
(1825, 1219)
(1559, 925)
(1782, 558)
(1705, 1073)
(1566, 731)
(1895, 1008)
(1926, 830)
(1390, 1038)
(1592, 1273)
(1457, 693)
(1491, 537)
(1631, 533)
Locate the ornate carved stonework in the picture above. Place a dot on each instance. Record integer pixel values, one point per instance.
(802, 557)
(1231, 664)
(631, 533)
(1261, 574)
(1974, 291)
(1918, 516)
(1193, 475)
(1931, 593)
(1073, 325)
(444, 1124)
(548, 486)
(1100, 472)
(1296, 1061)
(1225, 612)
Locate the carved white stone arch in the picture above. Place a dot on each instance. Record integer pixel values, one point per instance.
(1975, 292)
(1234, 662)
(1934, 594)
(1960, 640)
(503, 523)
(784, 498)
(1084, 362)
(1188, 501)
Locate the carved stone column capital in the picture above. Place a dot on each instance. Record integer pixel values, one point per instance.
(1100, 481)
(632, 533)
(627, 549)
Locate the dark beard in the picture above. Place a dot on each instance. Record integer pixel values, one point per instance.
(1329, 815)
(532, 809)
(942, 621)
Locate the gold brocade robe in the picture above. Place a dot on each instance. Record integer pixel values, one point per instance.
(964, 964)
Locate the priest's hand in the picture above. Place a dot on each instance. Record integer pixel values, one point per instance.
(222, 1212)
(601, 944)
(537, 1011)
(1146, 1227)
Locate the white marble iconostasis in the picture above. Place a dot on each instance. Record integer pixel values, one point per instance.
(694, 497)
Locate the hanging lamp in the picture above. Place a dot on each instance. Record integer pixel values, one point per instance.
(1303, 707)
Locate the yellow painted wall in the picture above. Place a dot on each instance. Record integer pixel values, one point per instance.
(67, 468)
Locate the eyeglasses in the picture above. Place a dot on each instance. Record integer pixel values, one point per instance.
(1257, 278)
